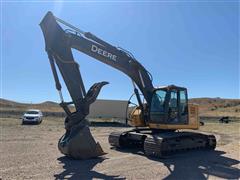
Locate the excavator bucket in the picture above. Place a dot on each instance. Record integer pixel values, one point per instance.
(80, 144)
(78, 141)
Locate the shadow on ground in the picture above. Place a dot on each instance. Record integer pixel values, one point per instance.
(81, 169)
(199, 165)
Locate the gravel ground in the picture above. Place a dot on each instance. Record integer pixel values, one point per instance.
(30, 152)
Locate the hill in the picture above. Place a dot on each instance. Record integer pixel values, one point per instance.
(10, 108)
(12, 105)
(217, 106)
(208, 107)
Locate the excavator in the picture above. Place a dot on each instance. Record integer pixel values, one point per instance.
(163, 123)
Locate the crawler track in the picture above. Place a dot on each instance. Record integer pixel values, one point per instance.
(162, 144)
(114, 139)
(170, 143)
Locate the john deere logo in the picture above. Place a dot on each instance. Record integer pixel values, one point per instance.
(103, 53)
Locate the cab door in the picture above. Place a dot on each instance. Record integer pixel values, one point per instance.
(177, 107)
(183, 106)
(173, 107)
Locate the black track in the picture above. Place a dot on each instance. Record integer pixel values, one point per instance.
(162, 144)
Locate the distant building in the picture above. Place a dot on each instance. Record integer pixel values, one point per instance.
(108, 109)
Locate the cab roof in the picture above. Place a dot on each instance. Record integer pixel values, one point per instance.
(171, 87)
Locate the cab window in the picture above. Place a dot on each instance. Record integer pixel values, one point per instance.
(183, 102)
(158, 100)
(173, 100)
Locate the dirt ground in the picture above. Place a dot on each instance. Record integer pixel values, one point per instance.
(30, 152)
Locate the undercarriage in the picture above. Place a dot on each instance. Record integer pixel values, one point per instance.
(161, 143)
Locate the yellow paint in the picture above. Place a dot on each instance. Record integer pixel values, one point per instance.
(193, 120)
(136, 119)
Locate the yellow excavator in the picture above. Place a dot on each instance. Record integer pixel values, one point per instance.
(158, 121)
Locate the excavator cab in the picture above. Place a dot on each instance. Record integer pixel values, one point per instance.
(169, 109)
(169, 106)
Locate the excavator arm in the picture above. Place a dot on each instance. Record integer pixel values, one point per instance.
(78, 142)
(58, 46)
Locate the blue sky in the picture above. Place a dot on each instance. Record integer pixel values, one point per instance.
(195, 45)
